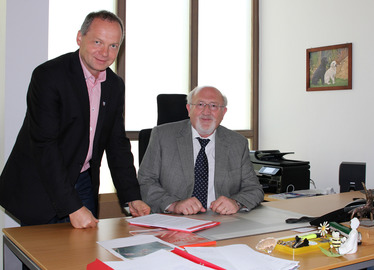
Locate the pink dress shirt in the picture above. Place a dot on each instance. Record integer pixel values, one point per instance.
(94, 94)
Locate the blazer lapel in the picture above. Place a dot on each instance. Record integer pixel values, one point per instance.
(221, 156)
(80, 87)
(185, 149)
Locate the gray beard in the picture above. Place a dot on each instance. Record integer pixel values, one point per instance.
(208, 131)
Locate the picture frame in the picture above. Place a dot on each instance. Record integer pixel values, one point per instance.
(329, 68)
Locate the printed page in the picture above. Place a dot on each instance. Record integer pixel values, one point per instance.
(172, 222)
(236, 257)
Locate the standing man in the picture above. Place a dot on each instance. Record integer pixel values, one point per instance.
(74, 112)
(194, 165)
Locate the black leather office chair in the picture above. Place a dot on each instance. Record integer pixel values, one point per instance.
(144, 136)
(170, 108)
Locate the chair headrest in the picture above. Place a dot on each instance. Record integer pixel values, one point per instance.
(171, 108)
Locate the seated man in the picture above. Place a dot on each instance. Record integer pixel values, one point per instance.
(194, 164)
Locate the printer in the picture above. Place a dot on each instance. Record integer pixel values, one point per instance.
(279, 175)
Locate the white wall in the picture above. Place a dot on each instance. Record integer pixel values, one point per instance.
(2, 89)
(24, 24)
(323, 127)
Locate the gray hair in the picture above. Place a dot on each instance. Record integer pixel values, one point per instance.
(103, 15)
(197, 89)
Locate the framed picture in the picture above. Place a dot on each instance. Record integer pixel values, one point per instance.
(329, 68)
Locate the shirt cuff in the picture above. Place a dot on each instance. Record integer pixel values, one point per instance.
(242, 207)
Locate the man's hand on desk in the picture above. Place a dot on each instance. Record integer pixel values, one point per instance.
(224, 206)
(191, 206)
(188, 206)
(83, 218)
(139, 208)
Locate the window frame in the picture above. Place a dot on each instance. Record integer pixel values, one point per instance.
(251, 134)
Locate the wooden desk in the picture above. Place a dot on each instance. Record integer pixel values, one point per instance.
(267, 198)
(59, 246)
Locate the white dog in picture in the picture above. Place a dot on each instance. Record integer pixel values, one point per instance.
(331, 73)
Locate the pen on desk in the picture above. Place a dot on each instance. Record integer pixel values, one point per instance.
(195, 259)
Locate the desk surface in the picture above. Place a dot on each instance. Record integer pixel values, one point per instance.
(59, 246)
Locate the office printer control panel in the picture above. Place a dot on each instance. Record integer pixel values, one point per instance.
(268, 170)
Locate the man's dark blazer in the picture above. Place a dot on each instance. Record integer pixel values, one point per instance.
(38, 180)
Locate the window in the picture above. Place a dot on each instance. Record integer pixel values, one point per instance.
(157, 54)
(66, 18)
(64, 23)
(172, 46)
(225, 56)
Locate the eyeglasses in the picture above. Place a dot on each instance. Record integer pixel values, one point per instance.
(212, 106)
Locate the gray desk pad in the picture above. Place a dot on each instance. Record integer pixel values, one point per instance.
(263, 219)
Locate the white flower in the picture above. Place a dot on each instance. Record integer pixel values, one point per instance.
(323, 228)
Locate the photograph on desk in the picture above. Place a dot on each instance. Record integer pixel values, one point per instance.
(140, 250)
(135, 246)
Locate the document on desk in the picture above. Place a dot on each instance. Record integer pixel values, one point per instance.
(170, 222)
(232, 257)
(263, 219)
(238, 257)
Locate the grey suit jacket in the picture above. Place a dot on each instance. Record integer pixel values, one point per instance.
(166, 173)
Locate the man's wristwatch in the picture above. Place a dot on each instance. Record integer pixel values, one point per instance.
(239, 204)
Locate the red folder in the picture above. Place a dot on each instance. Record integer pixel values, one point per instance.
(195, 259)
(98, 265)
